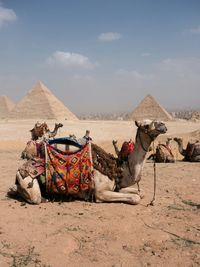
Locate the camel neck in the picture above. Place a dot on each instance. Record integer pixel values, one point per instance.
(142, 144)
(132, 171)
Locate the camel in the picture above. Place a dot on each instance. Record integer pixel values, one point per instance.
(104, 187)
(33, 147)
(192, 151)
(55, 130)
(163, 153)
(40, 130)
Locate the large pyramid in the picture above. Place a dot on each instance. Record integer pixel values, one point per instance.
(149, 108)
(6, 105)
(40, 103)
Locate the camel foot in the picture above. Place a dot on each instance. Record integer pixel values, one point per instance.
(141, 194)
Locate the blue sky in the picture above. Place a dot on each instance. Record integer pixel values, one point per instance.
(102, 56)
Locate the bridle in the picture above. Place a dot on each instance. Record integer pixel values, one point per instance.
(152, 138)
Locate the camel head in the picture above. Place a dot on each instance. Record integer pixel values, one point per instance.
(58, 125)
(151, 128)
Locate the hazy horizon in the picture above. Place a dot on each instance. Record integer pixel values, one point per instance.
(102, 56)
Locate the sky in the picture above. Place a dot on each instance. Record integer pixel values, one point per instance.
(102, 56)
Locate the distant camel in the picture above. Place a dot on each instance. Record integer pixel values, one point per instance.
(33, 147)
(192, 151)
(163, 153)
(41, 129)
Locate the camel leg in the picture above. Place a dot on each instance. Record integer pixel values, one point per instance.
(104, 191)
(132, 190)
(110, 196)
(29, 189)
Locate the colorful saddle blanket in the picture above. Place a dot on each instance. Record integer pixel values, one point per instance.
(69, 174)
(32, 167)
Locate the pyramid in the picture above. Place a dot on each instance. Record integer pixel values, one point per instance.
(149, 108)
(6, 105)
(40, 103)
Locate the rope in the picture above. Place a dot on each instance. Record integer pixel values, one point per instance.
(154, 177)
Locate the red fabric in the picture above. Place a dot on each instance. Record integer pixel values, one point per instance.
(127, 148)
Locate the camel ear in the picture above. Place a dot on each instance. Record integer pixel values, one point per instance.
(138, 123)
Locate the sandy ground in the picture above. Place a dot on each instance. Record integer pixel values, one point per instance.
(108, 234)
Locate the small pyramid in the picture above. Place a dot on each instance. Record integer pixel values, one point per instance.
(149, 108)
(40, 103)
(6, 105)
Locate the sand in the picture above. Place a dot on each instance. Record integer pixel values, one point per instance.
(105, 234)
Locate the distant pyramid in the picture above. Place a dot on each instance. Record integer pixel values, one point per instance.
(149, 108)
(40, 103)
(6, 105)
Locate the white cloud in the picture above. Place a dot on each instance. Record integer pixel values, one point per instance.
(195, 30)
(6, 16)
(109, 36)
(67, 59)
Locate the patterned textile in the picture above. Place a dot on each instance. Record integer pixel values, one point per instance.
(32, 167)
(69, 174)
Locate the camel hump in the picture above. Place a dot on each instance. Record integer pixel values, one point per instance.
(165, 149)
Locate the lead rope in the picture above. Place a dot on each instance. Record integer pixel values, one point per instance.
(154, 176)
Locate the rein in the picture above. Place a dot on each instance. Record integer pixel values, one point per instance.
(151, 203)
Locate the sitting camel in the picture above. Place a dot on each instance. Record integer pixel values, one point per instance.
(104, 187)
(192, 151)
(163, 153)
(41, 129)
(33, 147)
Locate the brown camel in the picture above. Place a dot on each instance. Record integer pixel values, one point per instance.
(104, 187)
(55, 130)
(192, 151)
(163, 153)
(34, 147)
(41, 129)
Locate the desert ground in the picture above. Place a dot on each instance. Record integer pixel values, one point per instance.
(60, 234)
